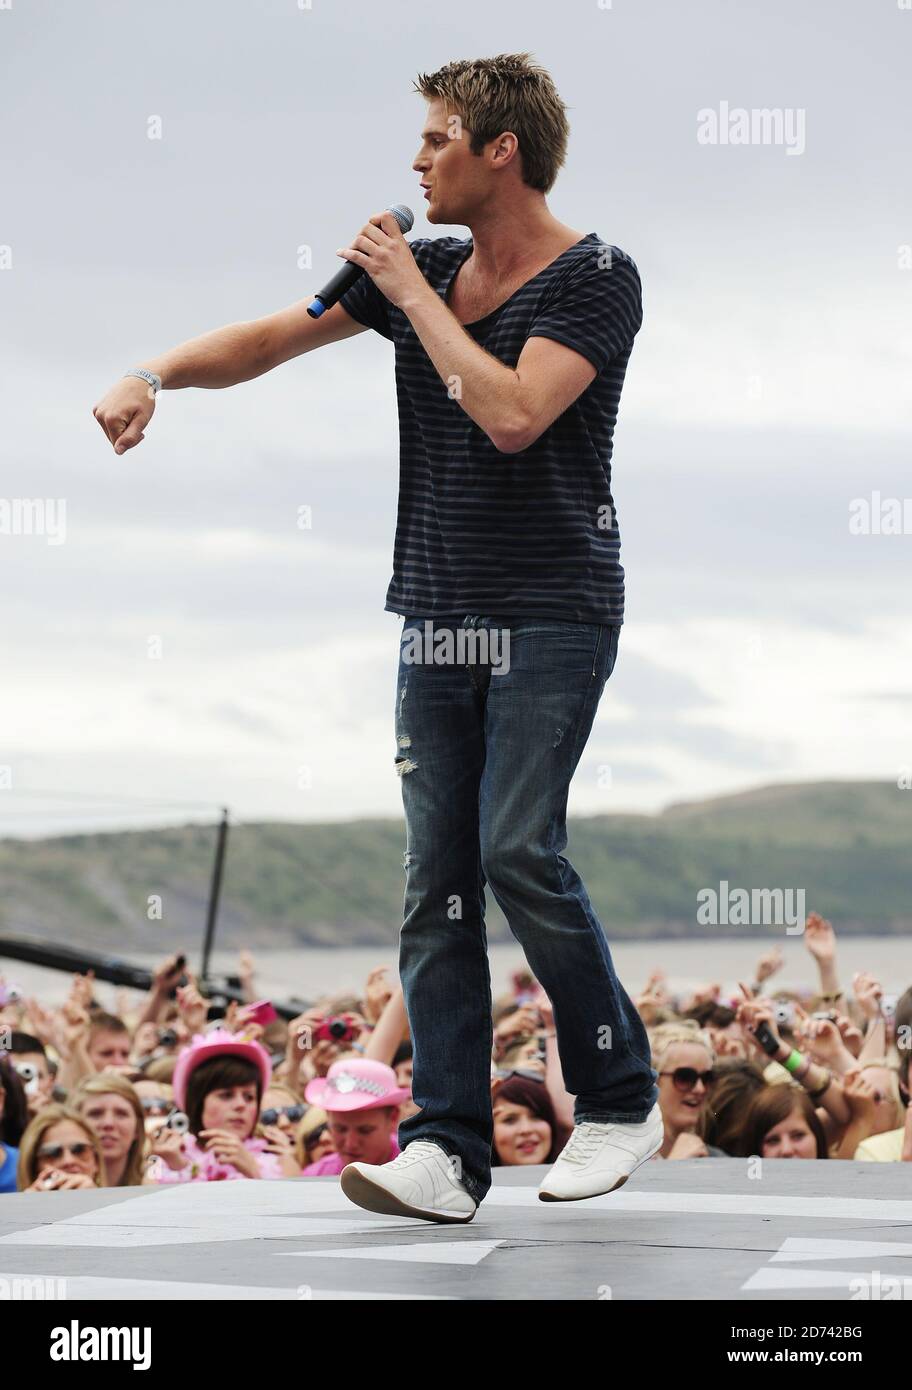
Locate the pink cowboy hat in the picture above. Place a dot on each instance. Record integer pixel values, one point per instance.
(218, 1043)
(356, 1083)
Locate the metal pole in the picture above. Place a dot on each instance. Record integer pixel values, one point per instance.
(214, 891)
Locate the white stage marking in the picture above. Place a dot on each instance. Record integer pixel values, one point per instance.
(769, 1278)
(432, 1252)
(806, 1248)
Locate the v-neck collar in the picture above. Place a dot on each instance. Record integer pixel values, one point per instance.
(467, 251)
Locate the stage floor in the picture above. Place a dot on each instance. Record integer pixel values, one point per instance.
(700, 1229)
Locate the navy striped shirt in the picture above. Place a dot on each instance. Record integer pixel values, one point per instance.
(532, 533)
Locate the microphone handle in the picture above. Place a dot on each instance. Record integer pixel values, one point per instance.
(333, 291)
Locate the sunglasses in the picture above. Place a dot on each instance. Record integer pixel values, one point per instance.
(56, 1151)
(155, 1105)
(501, 1074)
(685, 1078)
(291, 1112)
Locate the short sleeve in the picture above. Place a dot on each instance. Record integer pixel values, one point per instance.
(597, 309)
(368, 305)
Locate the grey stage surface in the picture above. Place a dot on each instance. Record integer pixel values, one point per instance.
(700, 1229)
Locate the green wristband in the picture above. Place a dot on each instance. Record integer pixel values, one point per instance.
(792, 1061)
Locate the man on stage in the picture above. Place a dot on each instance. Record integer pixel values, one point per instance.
(511, 350)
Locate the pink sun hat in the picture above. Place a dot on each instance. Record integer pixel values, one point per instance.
(218, 1043)
(356, 1083)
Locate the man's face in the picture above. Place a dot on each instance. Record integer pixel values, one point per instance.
(362, 1135)
(458, 180)
(110, 1051)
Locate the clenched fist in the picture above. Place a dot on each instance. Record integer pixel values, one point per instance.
(125, 411)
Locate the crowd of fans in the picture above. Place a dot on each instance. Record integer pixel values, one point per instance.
(181, 1091)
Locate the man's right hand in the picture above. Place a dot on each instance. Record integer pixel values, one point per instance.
(125, 411)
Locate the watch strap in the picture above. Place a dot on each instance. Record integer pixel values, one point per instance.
(153, 380)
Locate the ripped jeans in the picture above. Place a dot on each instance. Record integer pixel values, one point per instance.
(487, 740)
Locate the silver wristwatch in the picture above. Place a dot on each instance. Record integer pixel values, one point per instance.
(153, 380)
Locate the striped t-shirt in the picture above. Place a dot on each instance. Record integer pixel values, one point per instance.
(534, 533)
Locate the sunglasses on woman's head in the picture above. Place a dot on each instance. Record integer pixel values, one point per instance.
(155, 1105)
(685, 1078)
(56, 1151)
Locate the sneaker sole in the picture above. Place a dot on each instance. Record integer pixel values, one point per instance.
(372, 1197)
(545, 1196)
(553, 1197)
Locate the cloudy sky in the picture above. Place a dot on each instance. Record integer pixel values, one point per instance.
(768, 388)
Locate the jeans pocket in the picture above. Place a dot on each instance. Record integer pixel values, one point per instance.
(566, 646)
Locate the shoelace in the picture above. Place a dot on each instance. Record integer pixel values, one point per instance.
(419, 1149)
(584, 1143)
(425, 1149)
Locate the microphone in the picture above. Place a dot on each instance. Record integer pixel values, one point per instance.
(350, 273)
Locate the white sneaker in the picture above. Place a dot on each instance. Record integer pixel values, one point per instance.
(599, 1157)
(419, 1182)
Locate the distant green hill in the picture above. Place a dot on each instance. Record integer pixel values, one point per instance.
(847, 844)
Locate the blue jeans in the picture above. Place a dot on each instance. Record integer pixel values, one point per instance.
(485, 758)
